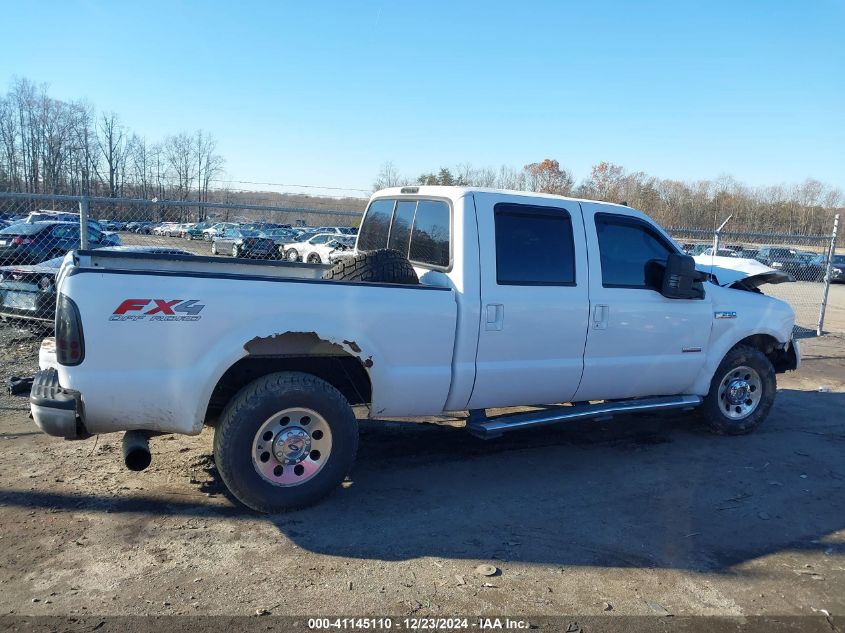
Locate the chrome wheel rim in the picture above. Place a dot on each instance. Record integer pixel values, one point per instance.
(293, 255)
(291, 447)
(740, 392)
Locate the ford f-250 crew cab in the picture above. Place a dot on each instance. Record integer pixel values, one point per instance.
(457, 299)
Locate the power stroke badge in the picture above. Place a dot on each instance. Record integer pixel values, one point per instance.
(158, 310)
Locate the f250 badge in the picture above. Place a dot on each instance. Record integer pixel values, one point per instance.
(158, 310)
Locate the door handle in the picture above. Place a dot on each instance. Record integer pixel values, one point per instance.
(495, 316)
(601, 313)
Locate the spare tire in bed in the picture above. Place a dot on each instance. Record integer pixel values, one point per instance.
(382, 266)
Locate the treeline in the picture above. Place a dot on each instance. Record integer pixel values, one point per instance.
(803, 209)
(60, 147)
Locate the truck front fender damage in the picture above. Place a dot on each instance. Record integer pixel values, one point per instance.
(341, 363)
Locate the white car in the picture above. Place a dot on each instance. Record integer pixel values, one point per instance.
(456, 299)
(300, 251)
(324, 253)
(168, 229)
(216, 230)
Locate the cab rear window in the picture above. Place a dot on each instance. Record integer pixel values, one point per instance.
(420, 229)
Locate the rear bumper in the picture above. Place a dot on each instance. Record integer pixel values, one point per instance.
(56, 411)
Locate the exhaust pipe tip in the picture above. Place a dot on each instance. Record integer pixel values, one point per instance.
(136, 450)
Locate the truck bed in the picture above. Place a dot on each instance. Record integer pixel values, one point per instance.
(193, 264)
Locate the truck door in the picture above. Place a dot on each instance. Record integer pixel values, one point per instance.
(640, 343)
(534, 301)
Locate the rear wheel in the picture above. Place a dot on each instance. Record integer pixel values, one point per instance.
(214, 248)
(314, 258)
(741, 393)
(285, 441)
(235, 251)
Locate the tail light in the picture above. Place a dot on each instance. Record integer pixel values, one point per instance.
(70, 342)
(18, 241)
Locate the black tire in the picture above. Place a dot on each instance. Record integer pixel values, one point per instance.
(714, 406)
(292, 255)
(236, 252)
(383, 266)
(248, 410)
(314, 258)
(214, 248)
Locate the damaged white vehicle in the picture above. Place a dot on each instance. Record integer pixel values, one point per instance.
(457, 299)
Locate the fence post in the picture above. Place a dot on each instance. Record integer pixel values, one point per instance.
(830, 253)
(84, 208)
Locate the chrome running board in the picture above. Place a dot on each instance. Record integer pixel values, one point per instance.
(486, 428)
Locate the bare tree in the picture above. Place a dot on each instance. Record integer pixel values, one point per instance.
(110, 140)
(388, 177)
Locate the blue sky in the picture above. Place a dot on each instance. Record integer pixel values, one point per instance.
(324, 92)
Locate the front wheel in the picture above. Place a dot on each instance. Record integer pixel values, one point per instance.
(741, 393)
(235, 251)
(292, 255)
(214, 248)
(285, 441)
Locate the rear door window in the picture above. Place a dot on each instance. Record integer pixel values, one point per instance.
(534, 246)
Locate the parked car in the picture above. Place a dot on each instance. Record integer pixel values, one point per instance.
(813, 266)
(110, 238)
(167, 229)
(243, 243)
(28, 292)
(194, 231)
(723, 252)
(698, 249)
(837, 269)
(781, 258)
(216, 229)
(295, 252)
(280, 236)
(144, 228)
(322, 253)
(530, 299)
(31, 243)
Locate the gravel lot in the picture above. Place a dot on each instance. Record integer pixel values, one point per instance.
(639, 515)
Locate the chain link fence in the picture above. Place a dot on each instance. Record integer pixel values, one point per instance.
(40, 229)
(808, 259)
(36, 231)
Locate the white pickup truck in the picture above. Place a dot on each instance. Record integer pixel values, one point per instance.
(457, 299)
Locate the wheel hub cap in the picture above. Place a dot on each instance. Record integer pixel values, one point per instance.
(292, 445)
(740, 392)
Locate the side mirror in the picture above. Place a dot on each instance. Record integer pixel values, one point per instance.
(676, 278)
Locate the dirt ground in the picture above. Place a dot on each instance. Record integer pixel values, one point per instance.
(637, 515)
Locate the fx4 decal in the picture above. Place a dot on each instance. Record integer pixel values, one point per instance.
(158, 310)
